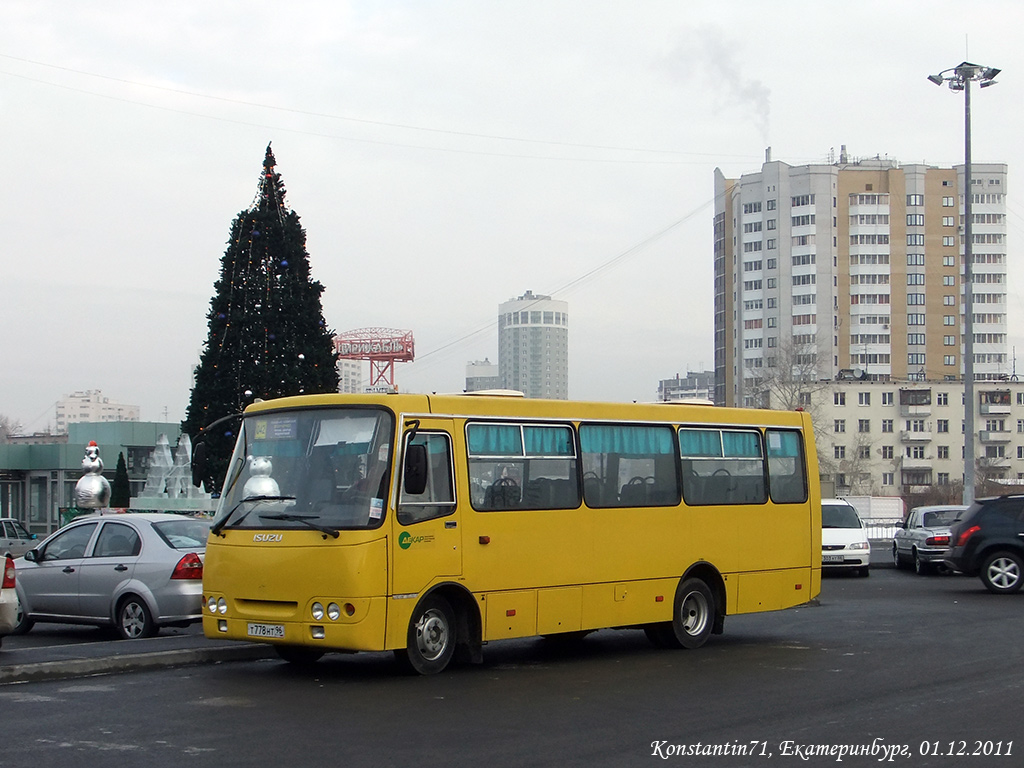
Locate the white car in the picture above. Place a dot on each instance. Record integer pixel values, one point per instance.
(844, 539)
(8, 598)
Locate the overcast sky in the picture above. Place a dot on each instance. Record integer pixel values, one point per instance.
(443, 157)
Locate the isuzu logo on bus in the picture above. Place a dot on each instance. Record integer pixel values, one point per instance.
(267, 537)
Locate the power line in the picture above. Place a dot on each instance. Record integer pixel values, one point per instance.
(577, 282)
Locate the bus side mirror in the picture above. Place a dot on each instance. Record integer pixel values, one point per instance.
(415, 473)
(199, 465)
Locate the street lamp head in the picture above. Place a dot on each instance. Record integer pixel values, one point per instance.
(990, 73)
(937, 79)
(987, 83)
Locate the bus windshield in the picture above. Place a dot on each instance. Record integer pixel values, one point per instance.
(324, 468)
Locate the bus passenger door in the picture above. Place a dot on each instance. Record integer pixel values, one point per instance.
(427, 541)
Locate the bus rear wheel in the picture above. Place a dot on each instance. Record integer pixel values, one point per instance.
(693, 616)
(430, 643)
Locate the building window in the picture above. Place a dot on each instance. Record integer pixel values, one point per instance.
(887, 452)
(887, 425)
(948, 202)
(839, 425)
(942, 478)
(888, 478)
(887, 398)
(942, 398)
(839, 398)
(839, 451)
(915, 219)
(863, 425)
(915, 200)
(863, 398)
(942, 425)
(942, 451)
(949, 241)
(949, 359)
(915, 278)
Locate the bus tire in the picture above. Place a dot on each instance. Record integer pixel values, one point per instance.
(430, 643)
(693, 615)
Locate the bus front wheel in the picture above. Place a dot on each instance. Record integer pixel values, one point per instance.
(430, 643)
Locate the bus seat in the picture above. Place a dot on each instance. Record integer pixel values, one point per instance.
(633, 495)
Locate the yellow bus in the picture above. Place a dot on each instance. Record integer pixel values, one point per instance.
(430, 525)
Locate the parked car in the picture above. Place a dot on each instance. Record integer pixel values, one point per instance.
(923, 538)
(844, 539)
(987, 540)
(14, 539)
(8, 599)
(136, 572)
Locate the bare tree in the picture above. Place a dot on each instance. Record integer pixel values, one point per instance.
(8, 428)
(790, 379)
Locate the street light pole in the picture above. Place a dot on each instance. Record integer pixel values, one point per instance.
(959, 79)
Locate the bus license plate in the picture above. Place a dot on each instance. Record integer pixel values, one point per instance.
(266, 630)
(824, 559)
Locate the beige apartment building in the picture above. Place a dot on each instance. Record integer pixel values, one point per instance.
(854, 269)
(906, 438)
(844, 281)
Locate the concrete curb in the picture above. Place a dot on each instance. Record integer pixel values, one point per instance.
(110, 665)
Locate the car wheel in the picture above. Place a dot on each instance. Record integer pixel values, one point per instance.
(1001, 573)
(23, 623)
(430, 643)
(134, 620)
(896, 561)
(298, 655)
(864, 572)
(921, 568)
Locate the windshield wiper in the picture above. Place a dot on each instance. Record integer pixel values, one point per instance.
(305, 520)
(224, 520)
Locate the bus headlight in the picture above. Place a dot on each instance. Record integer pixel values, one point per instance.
(222, 605)
(318, 611)
(211, 604)
(333, 611)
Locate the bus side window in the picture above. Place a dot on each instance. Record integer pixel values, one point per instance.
(438, 497)
(786, 476)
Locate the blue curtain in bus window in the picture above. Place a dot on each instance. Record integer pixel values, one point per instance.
(626, 441)
(548, 441)
(495, 440)
(700, 443)
(786, 476)
(741, 444)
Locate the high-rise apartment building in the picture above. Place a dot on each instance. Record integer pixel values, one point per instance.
(854, 270)
(533, 346)
(91, 406)
(481, 375)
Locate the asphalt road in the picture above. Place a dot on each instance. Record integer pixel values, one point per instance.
(894, 664)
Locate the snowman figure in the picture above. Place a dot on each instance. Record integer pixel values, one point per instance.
(92, 491)
(260, 483)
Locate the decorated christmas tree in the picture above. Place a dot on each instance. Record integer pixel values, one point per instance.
(267, 336)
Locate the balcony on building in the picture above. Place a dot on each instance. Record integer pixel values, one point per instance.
(995, 436)
(916, 465)
(994, 402)
(915, 402)
(912, 436)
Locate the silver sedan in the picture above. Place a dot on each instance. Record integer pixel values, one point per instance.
(135, 572)
(923, 538)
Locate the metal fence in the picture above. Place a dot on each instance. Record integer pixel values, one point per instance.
(879, 529)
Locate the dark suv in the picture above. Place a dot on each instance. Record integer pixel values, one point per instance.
(987, 540)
